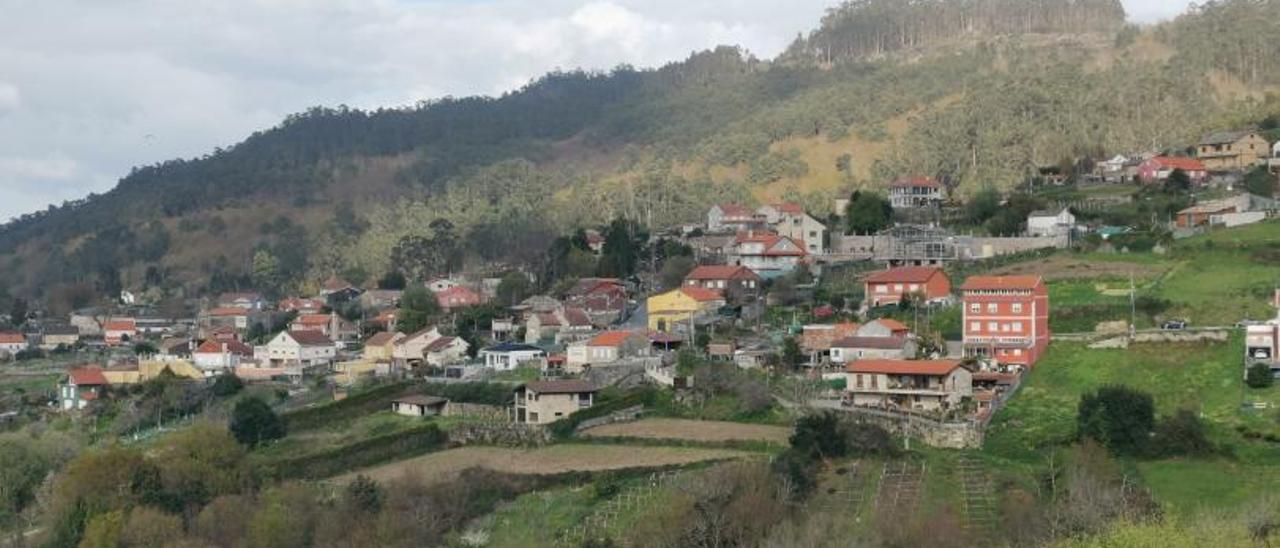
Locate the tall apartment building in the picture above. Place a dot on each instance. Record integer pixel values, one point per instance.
(1006, 318)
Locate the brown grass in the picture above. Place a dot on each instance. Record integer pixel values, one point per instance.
(1062, 267)
(555, 459)
(692, 430)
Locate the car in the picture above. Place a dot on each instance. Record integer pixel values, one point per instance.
(1174, 325)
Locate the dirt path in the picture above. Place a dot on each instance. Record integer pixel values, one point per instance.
(553, 459)
(691, 430)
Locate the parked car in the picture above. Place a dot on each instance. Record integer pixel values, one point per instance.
(1174, 325)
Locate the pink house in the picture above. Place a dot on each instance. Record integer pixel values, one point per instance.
(1161, 167)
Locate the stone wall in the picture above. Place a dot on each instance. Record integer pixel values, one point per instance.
(476, 411)
(507, 434)
(623, 415)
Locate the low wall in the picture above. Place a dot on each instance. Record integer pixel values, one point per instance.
(507, 434)
(622, 415)
(933, 432)
(476, 411)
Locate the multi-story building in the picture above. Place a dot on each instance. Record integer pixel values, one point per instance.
(1232, 150)
(913, 192)
(888, 287)
(544, 402)
(735, 283)
(299, 352)
(767, 254)
(909, 385)
(732, 218)
(1006, 318)
(790, 220)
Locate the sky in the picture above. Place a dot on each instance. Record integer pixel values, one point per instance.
(91, 88)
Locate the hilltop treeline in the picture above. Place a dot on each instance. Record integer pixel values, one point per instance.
(861, 28)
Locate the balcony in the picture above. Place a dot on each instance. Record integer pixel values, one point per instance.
(998, 341)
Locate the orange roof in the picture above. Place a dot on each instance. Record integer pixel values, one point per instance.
(991, 283)
(892, 324)
(701, 294)
(904, 367)
(87, 376)
(1178, 162)
(721, 272)
(905, 274)
(736, 210)
(790, 208)
(218, 347)
(126, 324)
(12, 338)
(229, 311)
(381, 339)
(917, 181)
(313, 319)
(611, 338)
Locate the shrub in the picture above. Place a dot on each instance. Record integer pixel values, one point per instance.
(400, 445)
(253, 422)
(1117, 417)
(227, 385)
(1259, 376)
(818, 436)
(1181, 434)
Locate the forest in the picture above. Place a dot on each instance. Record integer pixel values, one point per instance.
(879, 90)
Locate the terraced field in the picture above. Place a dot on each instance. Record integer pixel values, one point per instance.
(692, 430)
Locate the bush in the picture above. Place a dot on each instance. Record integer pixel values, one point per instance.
(1181, 435)
(400, 445)
(1259, 376)
(1118, 418)
(362, 403)
(253, 422)
(818, 436)
(227, 385)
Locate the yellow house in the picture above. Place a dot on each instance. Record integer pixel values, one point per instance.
(678, 307)
(379, 347)
(147, 370)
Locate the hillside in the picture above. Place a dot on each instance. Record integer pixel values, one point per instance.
(977, 93)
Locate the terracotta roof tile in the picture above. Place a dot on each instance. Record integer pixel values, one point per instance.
(12, 338)
(914, 182)
(611, 338)
(905, 274)
(721, 272)
(310, 338)
(993, 283)
(701, 294)
(87, 376)
(904, 367)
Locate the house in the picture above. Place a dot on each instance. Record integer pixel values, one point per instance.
(380, 346)
(380, 299)
(171, 349)
(1005, 318)
(338, 290)
(915, 192)
(791, 220)
(1232, 150)
(884, 327)
(82, 385)
(419, 406)
(458, 297)
(1112, 170)
(816, 340)
(1159, 168)
(1262, 346)
(767, 254)
(732, 218)
(606, 348)
(538, 304)
(54, 336)
(387, 320)
(11, 343)
(932, 385)
(143, 371)
(214, 357)
(736, 283)
(1048, 223)
(302, 306)
(595, 240)
(679, 308)
(299, 352)
(563, 325)
(1234, 211)
(331, 325)
(440, 285)
(544, 402)
(1274, 162)
(850, 349)
(446, 351)
(411, 350)
(247, 300)
(603, 299)
(237, 318)
(889, 287)
(119, 331)
(510, 355)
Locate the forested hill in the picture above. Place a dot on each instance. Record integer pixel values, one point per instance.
(978, 92)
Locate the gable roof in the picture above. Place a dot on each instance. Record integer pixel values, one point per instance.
(721, 272)
(573, 386)
(313, 319)
(12, 338)
(736, 210)
(611, 338)
(217, 347)
(891, 324)
(513, 347)
(335, 284)
(906, 274)
(382, 338)
(1225, 137)
(904, 367)
(125, 324)
(790, 208)
(1178, 162)
(440, 344)
(992, 283)
(577, 317)
(915, 182)
(87, 376)
(701, 294)
(310, 338)
(421, 400)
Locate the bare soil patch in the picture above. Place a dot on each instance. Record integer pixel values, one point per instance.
(1059, 267)
(691, 430)
(555, 459)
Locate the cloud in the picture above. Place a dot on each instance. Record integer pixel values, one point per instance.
(91, 89)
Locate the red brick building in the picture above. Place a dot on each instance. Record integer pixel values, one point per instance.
(887, 287)
(1006, 318)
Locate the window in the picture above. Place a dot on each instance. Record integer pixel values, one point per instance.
(1017, 352)
(993, 327)
(914, 287)
(875, 381)
(975, 326)
(859, 383)
(992, 308)
(897, 287)
(882, 289)
(1017, 327)
(975, 307)
(1017, 308)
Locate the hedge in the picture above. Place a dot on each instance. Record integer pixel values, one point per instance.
(400, 445)
(473, 392)
(363, 403)
(564, 428)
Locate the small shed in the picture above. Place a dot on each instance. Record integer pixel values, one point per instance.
(419, 406)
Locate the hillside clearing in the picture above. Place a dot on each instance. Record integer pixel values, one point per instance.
(691, 430)
(556, 459)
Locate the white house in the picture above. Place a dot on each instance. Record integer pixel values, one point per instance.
(510, 355)
(83, 385)
(446, 351)
(214, 357)
(791, 220)
(851, 349)
(606, 348)
(732, 217)
(12, 343)
(412, 348)
(419, 406)
(768, 255)
(1274, 161)
(299, 351)
(1048, 223)
(908, 385)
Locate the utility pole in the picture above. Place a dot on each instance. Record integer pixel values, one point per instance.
(1133, 307)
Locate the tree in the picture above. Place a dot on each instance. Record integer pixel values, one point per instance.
(1260, 182)
(792, 356)
(623, 242)
(18, 312)
(1259, 375)
(674, 270)
(1181, 434)
(1118, 418)
(513, 288)
(393, 280)
(867, 213)
(227, 385)
(983, 206)
(254, 422)
(418, 307)
(266, 269)
(1177, 183)
(818, 436)
(364, 494)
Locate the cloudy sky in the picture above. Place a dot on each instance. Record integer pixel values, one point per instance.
(89, 88)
